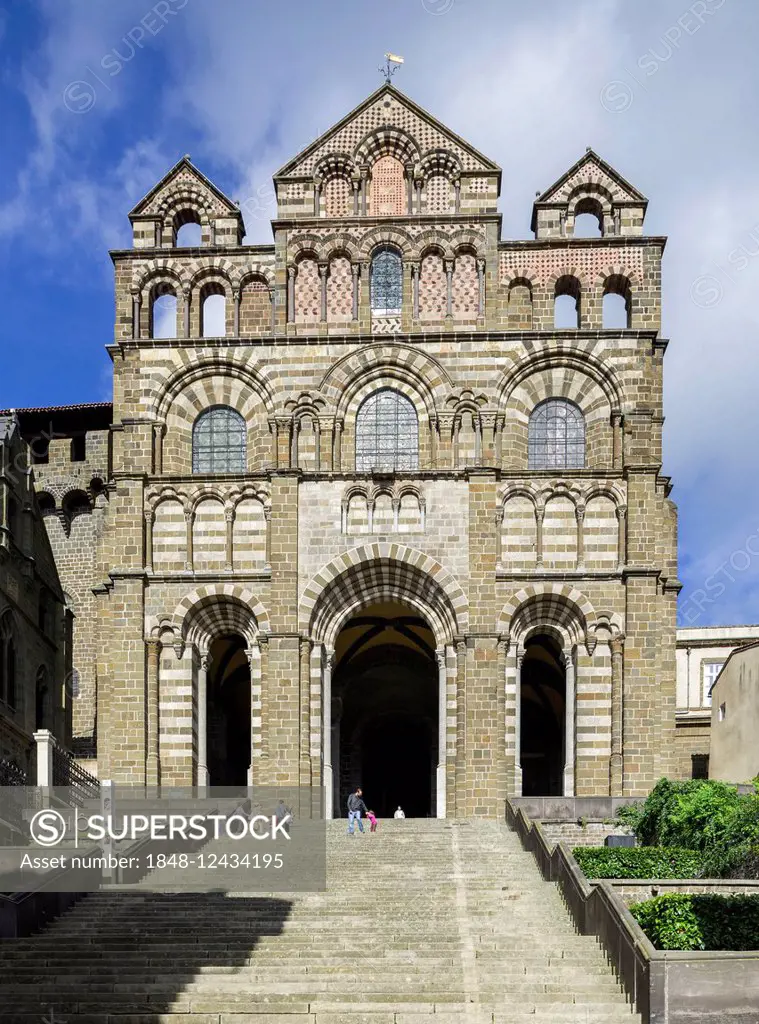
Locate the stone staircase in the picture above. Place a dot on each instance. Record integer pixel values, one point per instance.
(424, 922)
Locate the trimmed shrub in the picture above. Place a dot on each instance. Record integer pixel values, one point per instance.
(638, 862)
(700, 922)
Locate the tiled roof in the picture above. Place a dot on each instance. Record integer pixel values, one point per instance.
(59, 408)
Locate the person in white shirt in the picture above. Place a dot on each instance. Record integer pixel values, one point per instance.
(399, 813)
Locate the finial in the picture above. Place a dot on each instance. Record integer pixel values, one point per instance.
(588, 149)
(392, 61)
(186, 157)
(538, 192)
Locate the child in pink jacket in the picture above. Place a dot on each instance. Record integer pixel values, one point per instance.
(373, 821)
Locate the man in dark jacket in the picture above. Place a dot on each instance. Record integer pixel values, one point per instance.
(356, 807)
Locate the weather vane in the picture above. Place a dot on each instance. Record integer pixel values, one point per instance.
(392, 61)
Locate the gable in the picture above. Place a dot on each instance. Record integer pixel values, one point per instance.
(185, 180)
(590, 169)
(399, 123)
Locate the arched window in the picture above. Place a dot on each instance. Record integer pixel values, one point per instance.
(387, 433)
(43, 710)
(556, 436)
(213, 311)
(617, 303)
(219, 441)
(387, 282)
(163, 312)
(589, 219)
(566, 307)
(7, 662)
(187, 229)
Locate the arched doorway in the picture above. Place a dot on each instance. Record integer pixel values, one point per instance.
(228, 712)
(385, 710)
(543, 716)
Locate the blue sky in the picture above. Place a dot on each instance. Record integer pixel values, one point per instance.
(100, 99)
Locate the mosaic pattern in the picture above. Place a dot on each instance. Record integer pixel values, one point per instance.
(338, 196)
(388, 188)
(308, 303)
(339, 290)
(433, 288)
(465, 287)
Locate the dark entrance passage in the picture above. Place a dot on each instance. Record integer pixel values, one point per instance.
(228, 712)
(385, 711)
(543, 695)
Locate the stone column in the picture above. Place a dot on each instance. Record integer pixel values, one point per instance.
(153, 659)
(410, 187)
(291, 274)
(189, 518)
(616, 434)
(457, 195)
(337, 454)
(415, 290)
(262, 642)
(149, 520)
(621, 537)
(323, 268)
(186, 297)
(229, 517)
(569, 724)
(317, 196)
(456, 432)
(518, 659)
(396, 506)
(616, 765)
(539, 516)
(356, 183)
(481, 288)
(418, 187)
(267, 518)
(236, 321)
(158, 432)
(136, 305)
(477, 424)
(273, 304)
(499, 514)
(294, 436)
(203, 666)
(580, 517)
(442, 731)
(329, 657)
(449, 288)
(355, 272)
(305, 713)
(461, 744)
(364, 188)
(433, 442)
(502, 715)
(317, 444)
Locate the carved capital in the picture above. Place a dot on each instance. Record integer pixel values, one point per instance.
(621, 511)
(440, 657)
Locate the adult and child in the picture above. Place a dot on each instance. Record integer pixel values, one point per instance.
(357, 807)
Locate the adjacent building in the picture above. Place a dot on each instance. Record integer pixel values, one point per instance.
(735, 717)
(36, 623)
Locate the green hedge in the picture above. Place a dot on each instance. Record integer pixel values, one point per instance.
(691, 922)
(638, 862)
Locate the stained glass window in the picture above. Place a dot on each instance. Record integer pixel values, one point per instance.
(556, 436)
(387, 283)
(387, 433)
(218, 441)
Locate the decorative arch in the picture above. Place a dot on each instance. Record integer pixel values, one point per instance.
(256, 377)
(385, 235)
(561, 358)
(376, 572)
(557, 605)
(387, 141)
(412, 367)
(219, 608)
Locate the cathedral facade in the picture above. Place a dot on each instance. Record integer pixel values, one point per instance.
(384, 502)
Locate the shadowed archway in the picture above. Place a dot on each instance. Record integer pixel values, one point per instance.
(385, 701)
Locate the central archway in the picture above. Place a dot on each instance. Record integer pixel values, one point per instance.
(385, 695)
(393, 583)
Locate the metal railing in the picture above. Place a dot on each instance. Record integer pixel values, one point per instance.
(67, 773)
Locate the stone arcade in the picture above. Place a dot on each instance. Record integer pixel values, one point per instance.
(374, 508)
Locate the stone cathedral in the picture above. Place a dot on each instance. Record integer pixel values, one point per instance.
(381, 503)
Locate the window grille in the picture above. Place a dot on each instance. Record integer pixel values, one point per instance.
(557, 436)
(387, 433)
(387, 283)
(219, 442)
